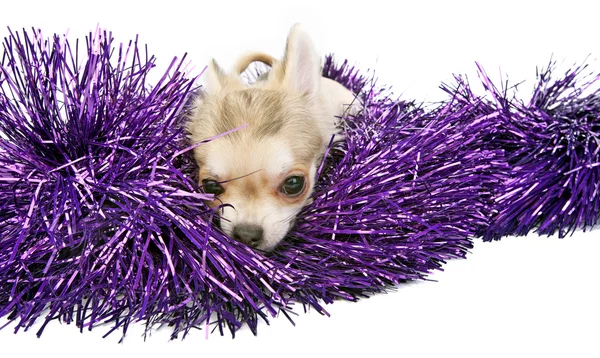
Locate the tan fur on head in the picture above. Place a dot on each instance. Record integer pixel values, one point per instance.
(290, 118)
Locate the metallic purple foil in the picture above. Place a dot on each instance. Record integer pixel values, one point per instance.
(101, 220)
(552, 144)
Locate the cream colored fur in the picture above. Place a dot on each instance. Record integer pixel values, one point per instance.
(288, 120)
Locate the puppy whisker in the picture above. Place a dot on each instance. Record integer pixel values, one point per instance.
(240, 177)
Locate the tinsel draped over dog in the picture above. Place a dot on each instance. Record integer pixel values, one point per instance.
(101, 219)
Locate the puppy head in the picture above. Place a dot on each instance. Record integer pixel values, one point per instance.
(263, 174)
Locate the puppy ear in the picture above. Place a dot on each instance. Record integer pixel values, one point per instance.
(301, 70)
(215, 77)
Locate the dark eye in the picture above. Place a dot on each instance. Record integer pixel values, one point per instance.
(212, 187)
(293, 185)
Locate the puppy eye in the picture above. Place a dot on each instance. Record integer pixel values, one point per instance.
(212, 187)
(293, 185)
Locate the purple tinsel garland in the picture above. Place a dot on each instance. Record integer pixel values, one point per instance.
(552, 145)
(101, 220)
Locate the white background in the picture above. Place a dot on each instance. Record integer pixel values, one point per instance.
(521, 297)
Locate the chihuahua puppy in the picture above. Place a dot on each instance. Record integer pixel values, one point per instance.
(263, 174)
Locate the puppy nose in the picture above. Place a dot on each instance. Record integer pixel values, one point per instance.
(250, 235)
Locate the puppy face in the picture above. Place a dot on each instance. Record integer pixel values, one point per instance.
(264, 173)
